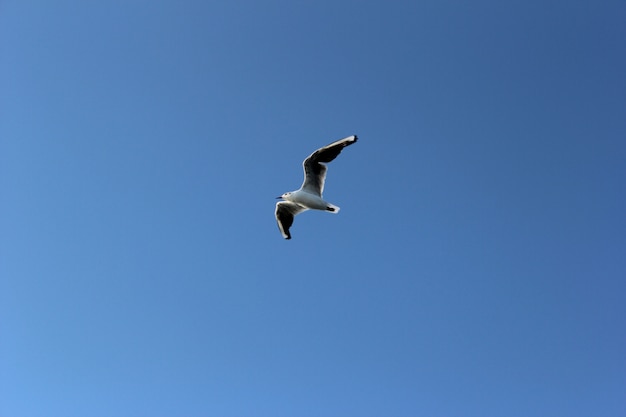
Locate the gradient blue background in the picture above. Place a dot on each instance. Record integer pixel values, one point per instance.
(477, 267)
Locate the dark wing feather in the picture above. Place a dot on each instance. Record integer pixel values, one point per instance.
(285, 212)
(314, 168)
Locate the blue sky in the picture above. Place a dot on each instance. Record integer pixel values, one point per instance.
(477, 267)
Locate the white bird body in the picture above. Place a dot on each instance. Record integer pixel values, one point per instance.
(310, 201)
(309, 196)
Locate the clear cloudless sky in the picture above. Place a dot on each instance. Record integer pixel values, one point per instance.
(478, 264)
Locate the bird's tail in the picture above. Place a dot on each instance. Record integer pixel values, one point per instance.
(332, 208)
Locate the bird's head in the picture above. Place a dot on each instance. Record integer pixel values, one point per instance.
(284, 196)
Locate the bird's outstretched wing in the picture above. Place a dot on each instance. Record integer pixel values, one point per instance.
(285, 212)
(314, 168)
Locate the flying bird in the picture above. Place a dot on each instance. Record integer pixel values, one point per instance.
(309, 196)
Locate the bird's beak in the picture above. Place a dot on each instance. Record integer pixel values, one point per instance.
(279, 197)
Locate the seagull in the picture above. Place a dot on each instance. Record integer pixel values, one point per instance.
(309, 196)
